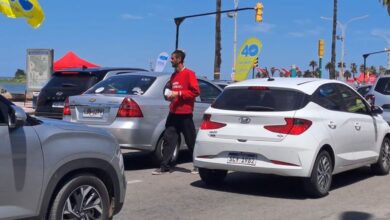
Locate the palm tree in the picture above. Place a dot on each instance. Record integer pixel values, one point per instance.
(347, 74)
(353, 69)
(328, 67)
(339, 65)
(313, 65)
(386, 3)
(332, 73)
(217, 58)
(307, 74)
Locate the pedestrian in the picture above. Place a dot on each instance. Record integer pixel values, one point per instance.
(182, 90)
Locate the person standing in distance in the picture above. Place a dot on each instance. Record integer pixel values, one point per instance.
(182, 91)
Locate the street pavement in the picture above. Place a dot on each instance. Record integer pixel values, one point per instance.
(355, 195)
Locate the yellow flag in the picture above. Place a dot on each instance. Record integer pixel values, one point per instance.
(248, 52)
(30, 9)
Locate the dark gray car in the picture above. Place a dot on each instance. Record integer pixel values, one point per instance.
(51, 169)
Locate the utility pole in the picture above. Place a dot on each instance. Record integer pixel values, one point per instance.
(234, 16)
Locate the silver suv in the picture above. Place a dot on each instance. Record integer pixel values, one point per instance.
(379, 95)
(51, 169)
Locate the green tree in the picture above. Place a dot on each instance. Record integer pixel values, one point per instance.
(347, 74)
(313, 64)
(353, 69)
(217, 59)
(328, 67)
(20, 74)
(307, 74)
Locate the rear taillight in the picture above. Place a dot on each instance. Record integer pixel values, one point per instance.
(129, 108)
(207, 124)
(370, 99)
(293, 126)
(66, 110)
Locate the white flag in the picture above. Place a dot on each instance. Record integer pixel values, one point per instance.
(161, 62)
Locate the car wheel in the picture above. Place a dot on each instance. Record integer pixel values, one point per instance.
(320, 180)
(158, 155)
(212, 177)
(83, 197)
(382, 166)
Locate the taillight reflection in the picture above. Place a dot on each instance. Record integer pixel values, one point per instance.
(66, 110)
(293, 126)
(207, 124)
(129, 108)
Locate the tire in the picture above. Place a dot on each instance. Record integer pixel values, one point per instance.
(65, 203)
(320, 180)
(212, 177)
(382, 166)
(158, 156)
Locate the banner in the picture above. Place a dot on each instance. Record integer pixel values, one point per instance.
(247, 54)
(161, 62)
(30, 9)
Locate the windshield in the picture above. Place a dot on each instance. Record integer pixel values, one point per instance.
(129, 85)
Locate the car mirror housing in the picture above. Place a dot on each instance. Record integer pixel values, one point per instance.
(17, 117)
(376, 110)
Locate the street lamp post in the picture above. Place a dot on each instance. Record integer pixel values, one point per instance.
(234, 16)
(387, 39)
(343, 28)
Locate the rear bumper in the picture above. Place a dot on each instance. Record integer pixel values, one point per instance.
(287, 158)
(54, 115)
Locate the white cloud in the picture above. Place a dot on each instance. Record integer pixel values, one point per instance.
(302, 22)
(384, 33)
(313, 32)
(131, 17)
(263, 27)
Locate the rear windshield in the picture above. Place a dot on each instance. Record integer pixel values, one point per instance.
(383, 86)
(260, 99)
(80, 81)
(130, 85)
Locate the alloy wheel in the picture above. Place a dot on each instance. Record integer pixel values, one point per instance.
(386, 154)
(324, 172)
(84, 203)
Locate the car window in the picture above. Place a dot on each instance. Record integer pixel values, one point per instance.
(208, 92)
(129, 85)
(328, 97)
(351, 101)
(260, 99)
(383, 85)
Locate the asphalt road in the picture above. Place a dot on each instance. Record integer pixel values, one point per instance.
(355, 195)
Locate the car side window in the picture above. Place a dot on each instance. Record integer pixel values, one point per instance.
(351, 101)
(328, 97)
(208, 92)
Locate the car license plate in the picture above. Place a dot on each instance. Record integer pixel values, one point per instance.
(242, 158)
(93, 112)
(57, 105)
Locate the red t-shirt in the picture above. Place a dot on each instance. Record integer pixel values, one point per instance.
(186, 84)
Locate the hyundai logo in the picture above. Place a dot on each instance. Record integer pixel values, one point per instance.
(59, 93)
(92, 100)
(244, 120)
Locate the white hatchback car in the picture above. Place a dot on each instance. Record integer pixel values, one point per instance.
(303, 127)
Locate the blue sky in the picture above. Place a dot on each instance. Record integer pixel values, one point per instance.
(133, 33)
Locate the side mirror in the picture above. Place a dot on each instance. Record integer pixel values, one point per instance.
(376, 110)
(17, 117)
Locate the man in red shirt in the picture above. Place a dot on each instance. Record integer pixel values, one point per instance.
(182, 92)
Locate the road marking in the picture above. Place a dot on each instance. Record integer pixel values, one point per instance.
(134, 181)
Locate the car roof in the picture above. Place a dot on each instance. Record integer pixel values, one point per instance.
(97, 69)
(306, 85)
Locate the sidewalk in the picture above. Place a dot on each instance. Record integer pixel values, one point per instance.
(27, 107)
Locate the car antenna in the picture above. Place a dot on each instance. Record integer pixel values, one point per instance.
(269, 78)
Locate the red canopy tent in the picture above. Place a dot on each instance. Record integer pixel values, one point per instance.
(71, 60)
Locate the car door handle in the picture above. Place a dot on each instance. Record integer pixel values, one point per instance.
(357, 126)
(332, 125)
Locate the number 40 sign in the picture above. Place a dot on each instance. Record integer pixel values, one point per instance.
(247, 54)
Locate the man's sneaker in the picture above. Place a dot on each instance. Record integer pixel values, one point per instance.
(195, 170)
(160, 171)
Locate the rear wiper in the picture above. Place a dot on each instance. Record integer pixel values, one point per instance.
(68, 85)
(258, 108)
